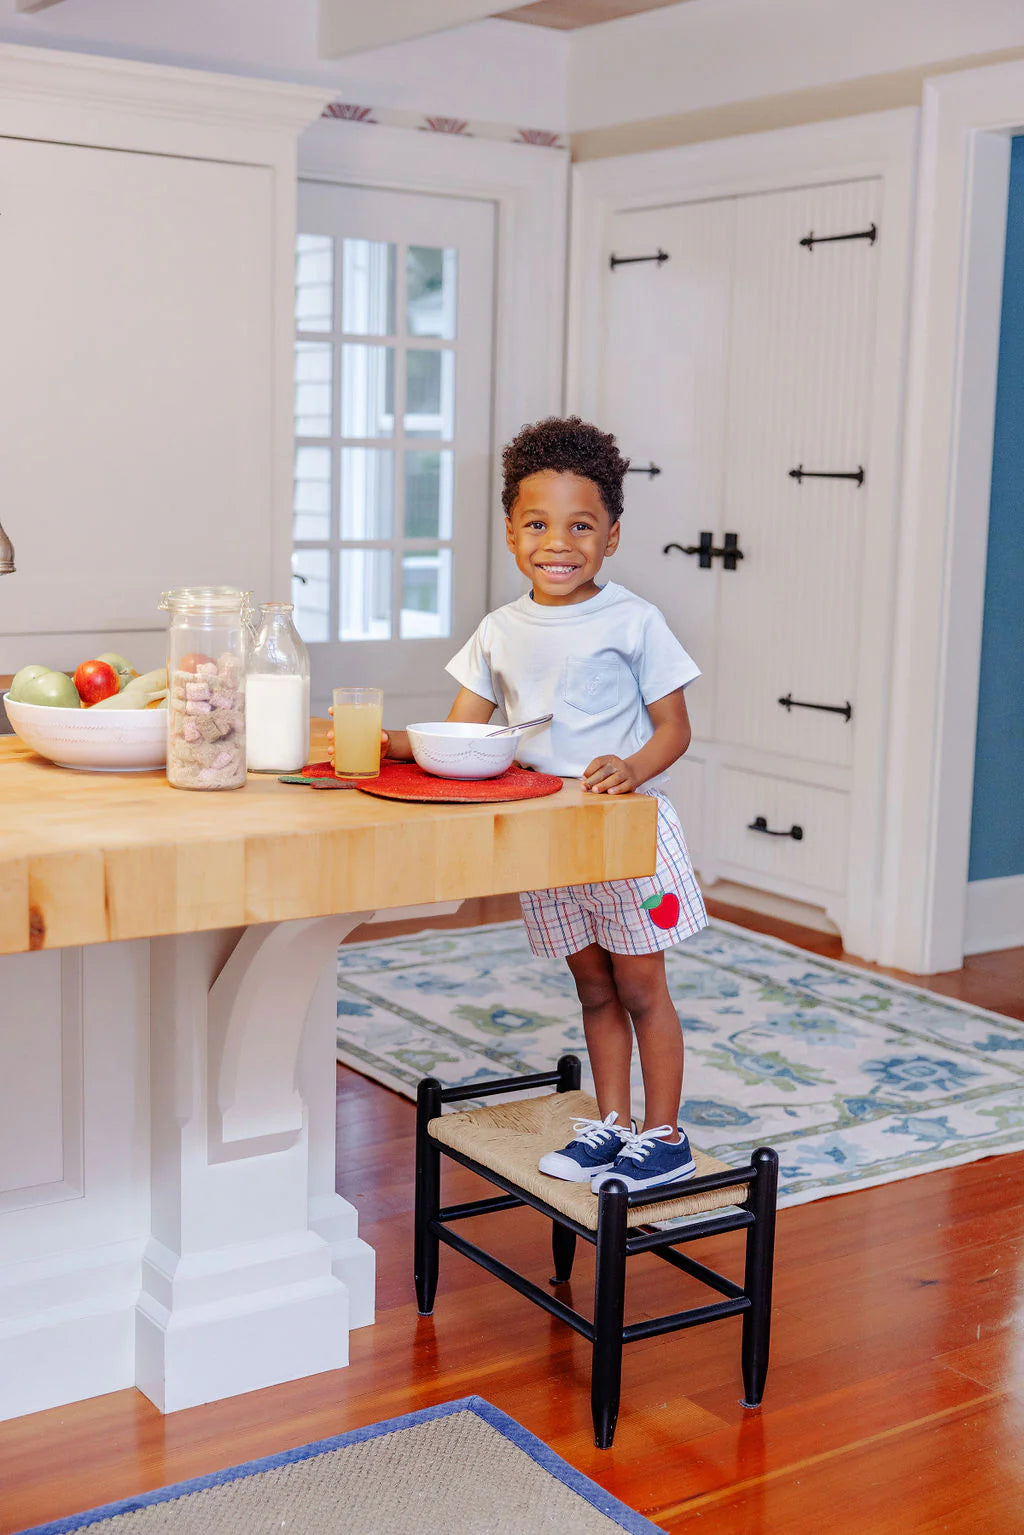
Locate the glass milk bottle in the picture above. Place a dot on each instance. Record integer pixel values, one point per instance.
(277, 694)
(206, 657)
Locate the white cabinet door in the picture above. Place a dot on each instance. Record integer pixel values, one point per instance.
(394, 503)
(136, 384)
(664, 389)
(799, 395)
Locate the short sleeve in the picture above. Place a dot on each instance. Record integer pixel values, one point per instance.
(471, 667)
(662, 664)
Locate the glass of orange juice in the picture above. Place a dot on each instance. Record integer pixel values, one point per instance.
(357, 727)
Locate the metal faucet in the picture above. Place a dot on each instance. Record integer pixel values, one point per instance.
(6, 555)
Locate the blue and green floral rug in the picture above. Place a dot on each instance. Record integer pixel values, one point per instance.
(855, 1079)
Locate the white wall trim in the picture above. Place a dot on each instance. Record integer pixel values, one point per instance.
(528, 187)
(995, 914)
(967, 122)
(879, 144)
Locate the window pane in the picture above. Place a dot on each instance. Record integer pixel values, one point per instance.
(311, 593)
(367, 391)
(368, 288)
(426, 595)
(365, 596)
(367, 492)
(314, 282)
(430, 290)
(313, 371)
(430, 394)
(312, 500)
(429, 483)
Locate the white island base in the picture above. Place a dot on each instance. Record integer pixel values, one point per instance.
(168, 1217)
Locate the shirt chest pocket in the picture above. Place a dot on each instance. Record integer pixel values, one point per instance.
(591, 686)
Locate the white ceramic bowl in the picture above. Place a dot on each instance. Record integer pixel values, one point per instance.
(100, 741)
(461, 751)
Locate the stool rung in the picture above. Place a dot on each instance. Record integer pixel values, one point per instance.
(479, 1207)
(715, 1222)
(517, 1281)
(679, 1319)
(523, 1195)
(700, 1271)
(500, 1085)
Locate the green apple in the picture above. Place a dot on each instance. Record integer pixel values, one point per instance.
(25, 675)
(55, 689)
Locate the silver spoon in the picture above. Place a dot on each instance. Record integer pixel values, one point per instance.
(511, 730)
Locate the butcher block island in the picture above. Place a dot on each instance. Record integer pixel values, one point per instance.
(168, 1217)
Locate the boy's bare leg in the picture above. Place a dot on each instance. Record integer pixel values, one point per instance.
(607, 1028)
(642, 990)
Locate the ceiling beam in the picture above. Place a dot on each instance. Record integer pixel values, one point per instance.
(348, 26)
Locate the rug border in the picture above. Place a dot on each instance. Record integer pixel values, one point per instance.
(590, 1491)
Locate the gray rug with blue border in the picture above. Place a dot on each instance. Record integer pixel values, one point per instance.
(854, 1078)
(461, 1468)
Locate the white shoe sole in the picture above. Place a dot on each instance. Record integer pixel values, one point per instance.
(556, 1166)
(634, 1186)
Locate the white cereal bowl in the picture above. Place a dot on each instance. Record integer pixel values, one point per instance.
(97, 741)
(461, 751)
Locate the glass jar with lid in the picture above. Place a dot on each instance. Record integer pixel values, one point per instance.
(207, 648)
(277, 694)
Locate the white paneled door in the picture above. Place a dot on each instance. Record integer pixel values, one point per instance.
(736, 366)
(393, 494)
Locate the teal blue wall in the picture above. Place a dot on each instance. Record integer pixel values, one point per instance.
(997, 824)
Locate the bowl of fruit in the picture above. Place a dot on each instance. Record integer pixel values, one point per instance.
(106, 718)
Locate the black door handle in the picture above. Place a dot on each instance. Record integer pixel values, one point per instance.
(706, 552)
(760, 824)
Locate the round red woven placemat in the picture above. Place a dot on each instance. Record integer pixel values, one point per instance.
(406, 780)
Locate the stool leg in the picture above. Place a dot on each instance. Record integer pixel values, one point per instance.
(428, 1195)
(757, 1279)
(609, 1303)
(569, 1074)
(563, 1250)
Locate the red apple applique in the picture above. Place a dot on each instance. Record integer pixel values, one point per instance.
(663, 908)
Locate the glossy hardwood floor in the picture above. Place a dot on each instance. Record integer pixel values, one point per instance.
(895, 1399)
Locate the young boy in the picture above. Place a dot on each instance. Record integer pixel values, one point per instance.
(606, 665)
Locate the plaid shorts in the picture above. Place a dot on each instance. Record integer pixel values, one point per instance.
(624, 916)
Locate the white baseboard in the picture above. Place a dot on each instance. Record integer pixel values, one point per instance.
(995, 914)
(769, 904)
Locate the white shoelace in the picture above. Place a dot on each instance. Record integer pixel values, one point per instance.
(591, 1132)
(638, 1144)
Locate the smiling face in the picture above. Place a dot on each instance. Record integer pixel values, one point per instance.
(560, 533)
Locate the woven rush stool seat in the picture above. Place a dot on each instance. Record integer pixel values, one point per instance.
(511, 1138)
(503, 1144)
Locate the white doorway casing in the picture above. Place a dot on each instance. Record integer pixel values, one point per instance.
(878, 146)
(967, 122)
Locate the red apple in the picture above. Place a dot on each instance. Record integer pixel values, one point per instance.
(95, 680)
(663, 909)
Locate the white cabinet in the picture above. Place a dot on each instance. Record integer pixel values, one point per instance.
(760, 343)
(146, 243)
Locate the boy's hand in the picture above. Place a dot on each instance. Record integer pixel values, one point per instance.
(610, 775)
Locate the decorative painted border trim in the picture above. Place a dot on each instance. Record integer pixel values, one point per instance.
(626, 1518)
(392, 117)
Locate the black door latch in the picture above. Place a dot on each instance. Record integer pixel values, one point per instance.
(706, 552)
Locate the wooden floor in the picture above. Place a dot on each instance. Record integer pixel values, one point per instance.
(895, 1400)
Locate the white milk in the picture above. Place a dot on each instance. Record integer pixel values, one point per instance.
(276, 722)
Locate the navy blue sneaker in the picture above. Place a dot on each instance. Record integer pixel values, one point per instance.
(646, 1160)
(593, 1149)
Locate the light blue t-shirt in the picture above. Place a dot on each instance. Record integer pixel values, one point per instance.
(594, 665)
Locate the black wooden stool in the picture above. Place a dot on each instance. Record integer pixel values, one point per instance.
(504, 1143)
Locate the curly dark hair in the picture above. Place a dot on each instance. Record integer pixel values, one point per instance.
(568, 446)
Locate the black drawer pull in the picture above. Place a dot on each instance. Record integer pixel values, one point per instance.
(760, 824)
